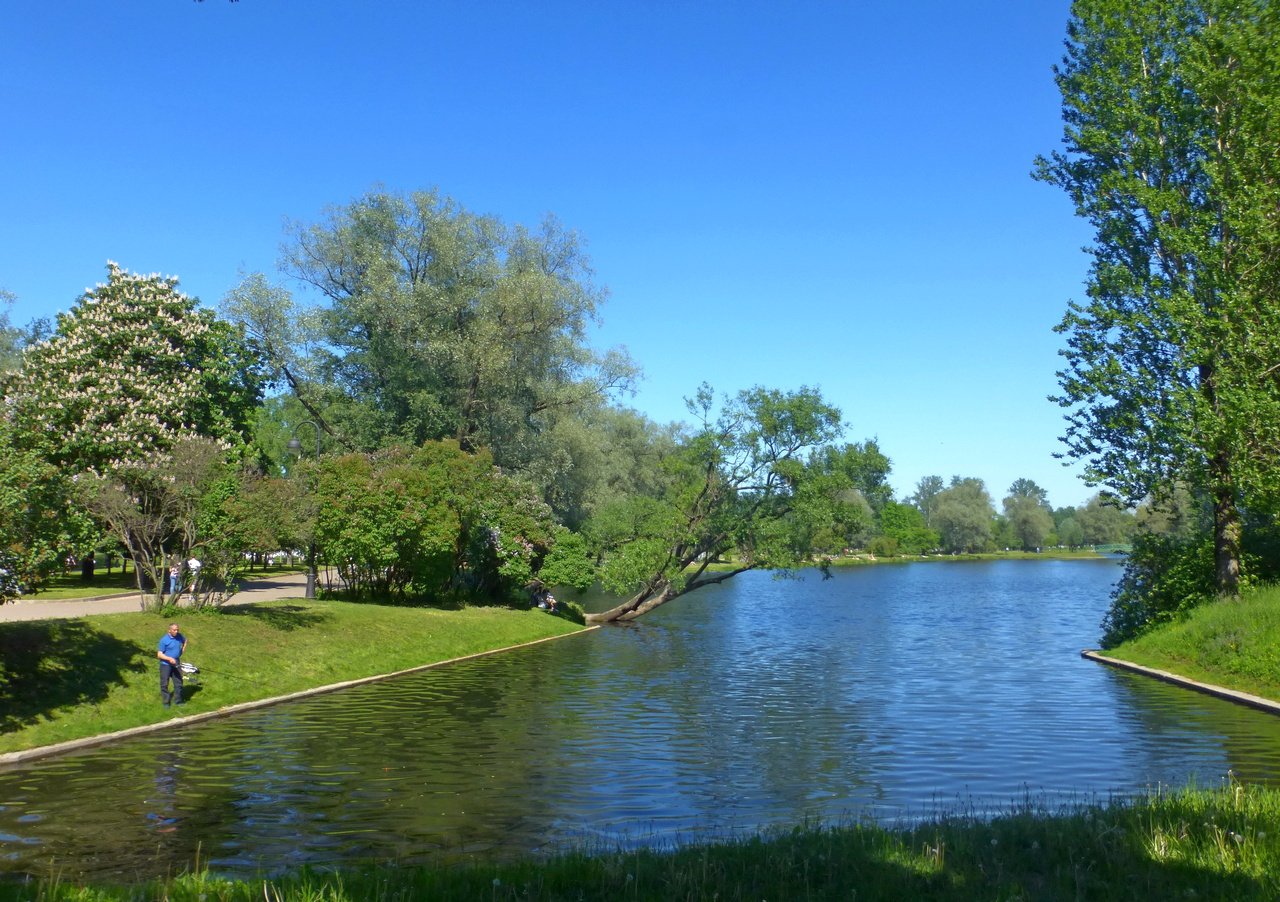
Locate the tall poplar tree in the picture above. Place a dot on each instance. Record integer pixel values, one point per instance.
(1171, 110)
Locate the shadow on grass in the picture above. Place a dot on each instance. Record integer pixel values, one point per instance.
(51, 664)
(284, 618)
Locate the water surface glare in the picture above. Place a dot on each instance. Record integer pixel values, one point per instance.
(883, 692)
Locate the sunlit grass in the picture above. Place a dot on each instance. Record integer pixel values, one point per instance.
(70, 584)
(1233, 643)
(69, 679)
(1219, 844)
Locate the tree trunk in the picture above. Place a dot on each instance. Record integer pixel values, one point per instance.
(645, 601)
(637, 605)
(1227, 527)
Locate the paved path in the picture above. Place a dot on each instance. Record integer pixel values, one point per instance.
(291, 585)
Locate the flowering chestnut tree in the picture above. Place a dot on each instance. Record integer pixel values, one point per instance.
(135, 369)
(131, 367)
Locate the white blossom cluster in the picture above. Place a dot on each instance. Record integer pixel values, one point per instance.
(124, 375)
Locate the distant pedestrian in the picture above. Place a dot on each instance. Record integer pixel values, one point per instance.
(193, 566)
(169, 650)
(175, 576)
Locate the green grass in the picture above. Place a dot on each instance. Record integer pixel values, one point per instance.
(69, 679)
(1233, 643)
(70, 585)
(1220, 844)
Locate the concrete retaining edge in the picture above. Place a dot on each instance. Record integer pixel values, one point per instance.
(1231, 695)
(46, 751)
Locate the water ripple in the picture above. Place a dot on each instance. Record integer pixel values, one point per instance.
(884, 692)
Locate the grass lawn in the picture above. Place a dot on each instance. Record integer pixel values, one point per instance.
(1233, 643)
(68, 679)
(70, 585)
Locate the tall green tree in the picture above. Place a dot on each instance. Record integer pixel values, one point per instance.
(905, 526)
(925, 497)
(1027, 509)
(1104, 521)
(865, 466)
(1171, 110)
(740, 485)
(10, 336)
(964, 515)
(437, 323)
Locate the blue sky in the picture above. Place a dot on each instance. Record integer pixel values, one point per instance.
(782, 194)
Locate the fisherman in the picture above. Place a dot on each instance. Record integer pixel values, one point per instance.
(169, 650)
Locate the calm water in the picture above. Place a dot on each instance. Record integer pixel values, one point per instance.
(884, 692)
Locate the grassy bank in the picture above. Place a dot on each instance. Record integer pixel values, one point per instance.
(1203, 845)
(1233, 643)
(68, 679)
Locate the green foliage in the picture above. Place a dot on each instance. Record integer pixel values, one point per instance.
(170, 505)
(1164, 576)
(439, 323)
(1169, 574)
(428, 522)
(1103, 521)
(741, 484)
(1030, 519)
(133, 366)
(1071, 533)
(904, 525)
(864, 465)
(964, 516)
(1170, 377)
(568, 563)
(268, 514)
(606, 454)
(925, 498)
(40, 520)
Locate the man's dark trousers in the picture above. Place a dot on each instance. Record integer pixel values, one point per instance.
(167, 672)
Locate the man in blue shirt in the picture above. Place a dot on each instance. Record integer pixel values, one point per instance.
(169, 651)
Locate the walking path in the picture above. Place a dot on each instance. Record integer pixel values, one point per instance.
(289, 585)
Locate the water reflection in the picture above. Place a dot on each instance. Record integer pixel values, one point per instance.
(885, 690)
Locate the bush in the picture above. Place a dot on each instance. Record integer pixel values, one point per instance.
(1163, 577)
(883, 546)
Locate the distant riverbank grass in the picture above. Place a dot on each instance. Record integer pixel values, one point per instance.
(1221, 844)
(69, 679)
(1233, 643)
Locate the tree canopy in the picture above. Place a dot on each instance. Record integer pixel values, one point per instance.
(1169, 152)
(133, 366)
(436, 323)
(742, 483)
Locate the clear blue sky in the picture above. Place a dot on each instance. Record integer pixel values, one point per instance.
(785, 194)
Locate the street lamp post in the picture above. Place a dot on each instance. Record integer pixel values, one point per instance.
(295, 447)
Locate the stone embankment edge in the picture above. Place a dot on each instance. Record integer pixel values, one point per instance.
(60, 748)
(1231, 695)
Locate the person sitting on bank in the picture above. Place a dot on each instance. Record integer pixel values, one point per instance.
(169, 650)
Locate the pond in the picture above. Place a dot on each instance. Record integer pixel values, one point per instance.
(885, 692)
